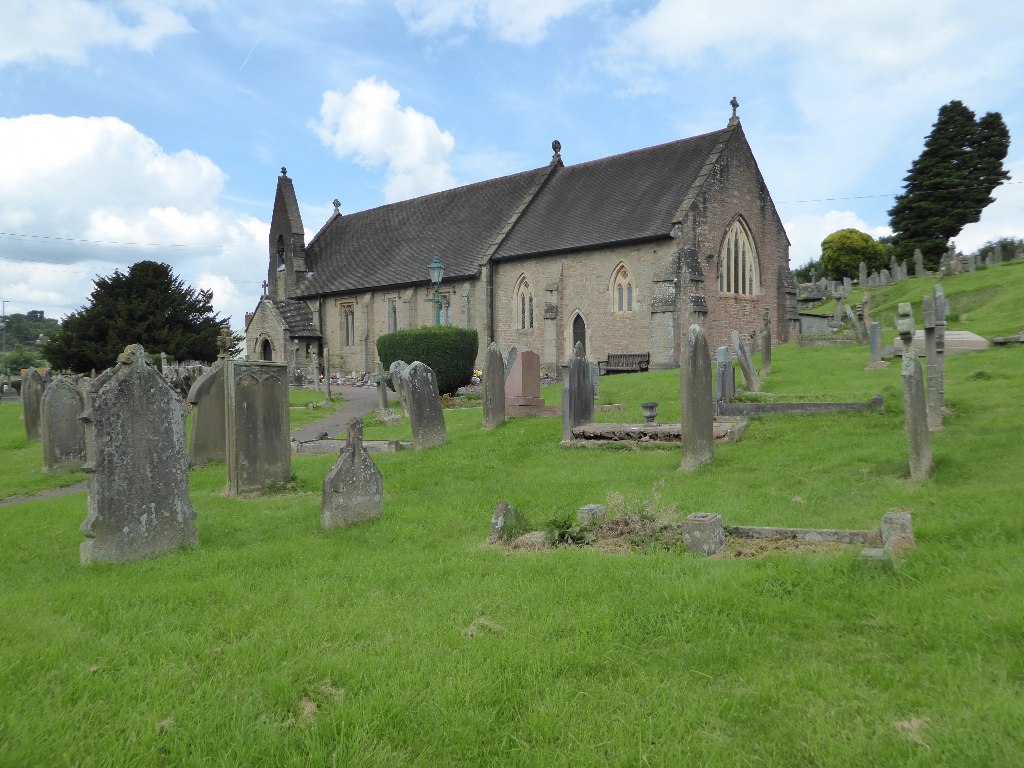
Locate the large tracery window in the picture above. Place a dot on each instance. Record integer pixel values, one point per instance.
(623, 292)
(523, 305)
(738, 271)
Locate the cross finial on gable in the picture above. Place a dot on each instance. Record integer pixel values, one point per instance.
(284, 171)
(337, 207)
(556, 146)
(735, 105)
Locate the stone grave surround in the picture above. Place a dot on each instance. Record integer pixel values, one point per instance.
(136, 465)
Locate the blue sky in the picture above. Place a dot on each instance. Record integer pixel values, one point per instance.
(157, 128)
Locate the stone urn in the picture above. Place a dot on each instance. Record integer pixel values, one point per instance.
(650, 411)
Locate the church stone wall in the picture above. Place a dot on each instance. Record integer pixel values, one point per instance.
(265, 324)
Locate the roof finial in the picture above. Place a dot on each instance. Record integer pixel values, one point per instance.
(556, 145)
(735, 105)
(284, 171)
(337, 207)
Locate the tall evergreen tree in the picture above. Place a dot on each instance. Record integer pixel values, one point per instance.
(148, 305)
(951, 182)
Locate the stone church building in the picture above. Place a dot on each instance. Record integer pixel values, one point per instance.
(621, 253)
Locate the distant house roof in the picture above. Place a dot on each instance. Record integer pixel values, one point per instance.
(624, 198)
(298, 318)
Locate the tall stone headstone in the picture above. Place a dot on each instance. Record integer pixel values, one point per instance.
(698, 411)
(915, 409)
(847, 286)
(766, 338)
(494, 387)
(941, 309)
(398, 383)
(750, 379)
(577, 393)
(522, 383)
(754, 346)
(885, 277)
(865, 309)
(997, 253)
(62, 430)
(136, 464)
(725, 375)
(932, 374)
(862, 275)
(426, 415)
(258, 445)
(32, 387)
(875, 342)
(874, 280)
(354, 488)
(208, 439)
(918, 263)
(380, 380)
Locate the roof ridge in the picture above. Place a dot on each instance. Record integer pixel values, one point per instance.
(647, 149)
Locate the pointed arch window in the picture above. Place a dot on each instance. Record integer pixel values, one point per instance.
(623, 290)
(738, 271)
(523, 305)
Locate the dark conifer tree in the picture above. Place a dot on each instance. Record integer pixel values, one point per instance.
(148, 305)
(950, 183)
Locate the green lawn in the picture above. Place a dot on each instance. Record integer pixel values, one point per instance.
(407, 641)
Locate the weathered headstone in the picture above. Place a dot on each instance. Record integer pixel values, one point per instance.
(875, 341)
(766, 337)
(703, 533)
(395, 371)
(136, 465)
(577, 393)
(208, 439)
(510, 360)
(941, 309)
(380, 379)
(507, 523)
(862, 275)
(997, 253)
(522, 383)
(847, 285)
(725, 375)
(62, 430)
(698, 412)
(874, 280)
(858, 329)
(494, 387)
(32, 387)
(932, 373)
(354, 488)
(753, 343)
(918, 263)
(914, 399)
(750, 379)
(885, 277)
(426, 415)
(258, 446)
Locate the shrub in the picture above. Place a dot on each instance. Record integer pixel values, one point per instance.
(449, 351)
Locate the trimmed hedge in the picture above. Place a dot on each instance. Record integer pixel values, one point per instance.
(448, 350)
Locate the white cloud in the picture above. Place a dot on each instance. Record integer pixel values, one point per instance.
(515, 21)
(368, 124)
(806, 233)
(67, 29)
(84, 196)
(1003, 218)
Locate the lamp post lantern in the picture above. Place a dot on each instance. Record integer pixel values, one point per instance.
(436, 273)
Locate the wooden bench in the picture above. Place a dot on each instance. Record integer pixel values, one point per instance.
(624, 362)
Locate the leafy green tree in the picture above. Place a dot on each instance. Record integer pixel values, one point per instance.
(20, 357)
(148, 305)
(951, 182)
(803, 274)
(844, 250)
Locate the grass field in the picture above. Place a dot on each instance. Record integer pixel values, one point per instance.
(408, 641)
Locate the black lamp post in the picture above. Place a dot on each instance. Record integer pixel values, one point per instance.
(436, 272)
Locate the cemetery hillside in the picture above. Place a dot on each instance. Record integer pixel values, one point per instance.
(284, 623)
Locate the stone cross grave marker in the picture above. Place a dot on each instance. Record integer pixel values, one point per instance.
(208, 439)
(426, 415)
(750, 378)
(354, 488)
(914, 399)
(32, 387)
(62, 430)
(698, 411)
(494, 387)
(136, 465)
(258, 447)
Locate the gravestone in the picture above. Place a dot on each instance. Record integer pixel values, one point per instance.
(507, 523)
(865, 309)
(354, 488)
(847, 285)
(258, 446)
(750, 379)
(380, 379)
(858, 329)
(766, 336)
(494, 387)
(725, 375)
(577, 393)
(997, 253)
(208, 439)
(753, 343)
(510, 360)
(941, 309)
(522, 383)
(424, 405)
(932, 375)
(862, 275)
(398, 383)
(136, 464)
(32, 387)
(62, 431)
(875, 341)
(914, 399)
(873, 280)
(918, 263)
(703, 532)
(698, 411)
(885, 277)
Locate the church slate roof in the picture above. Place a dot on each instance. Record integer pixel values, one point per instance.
(393, 244)
(623, 198)
(298, 318)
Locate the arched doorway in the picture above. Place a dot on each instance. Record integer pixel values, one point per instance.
(266, 351)
(579, 334)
